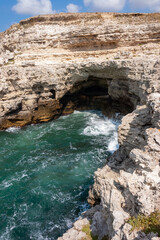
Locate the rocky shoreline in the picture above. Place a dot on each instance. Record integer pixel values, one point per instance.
(53, 64)
(129, 183)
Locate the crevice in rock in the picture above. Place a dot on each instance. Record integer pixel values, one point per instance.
(38, 88)
(53, 96)
(15, 111)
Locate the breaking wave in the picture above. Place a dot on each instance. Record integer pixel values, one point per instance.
(46, 171)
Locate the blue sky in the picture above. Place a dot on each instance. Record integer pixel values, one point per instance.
(12, 11)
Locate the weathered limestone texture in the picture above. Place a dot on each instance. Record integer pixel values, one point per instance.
(53, 64)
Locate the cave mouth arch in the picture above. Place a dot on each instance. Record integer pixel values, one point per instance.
(93, 94)
(109, 95)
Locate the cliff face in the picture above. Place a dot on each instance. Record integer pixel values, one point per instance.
(50, 65)
(44, 57)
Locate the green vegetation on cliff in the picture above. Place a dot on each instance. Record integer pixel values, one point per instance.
(146, 224)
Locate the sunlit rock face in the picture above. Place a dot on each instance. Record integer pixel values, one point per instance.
(53, 64)
(45, 57)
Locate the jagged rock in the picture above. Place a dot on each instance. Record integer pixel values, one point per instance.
(52, 64)
(76, 233)
(63, 53)
(154, 106)
(131, 186)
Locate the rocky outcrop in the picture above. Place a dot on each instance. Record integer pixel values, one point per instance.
(53, 64)
(45, 57)
(130, 182)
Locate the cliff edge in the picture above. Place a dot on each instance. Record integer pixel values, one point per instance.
(53, 64)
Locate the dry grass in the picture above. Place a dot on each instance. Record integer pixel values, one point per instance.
(89, 236)
(146, 224)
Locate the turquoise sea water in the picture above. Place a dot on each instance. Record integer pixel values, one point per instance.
(46, 170)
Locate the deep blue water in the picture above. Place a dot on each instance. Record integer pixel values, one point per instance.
(46, 170)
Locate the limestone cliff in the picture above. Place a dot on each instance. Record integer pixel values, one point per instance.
(50, 65)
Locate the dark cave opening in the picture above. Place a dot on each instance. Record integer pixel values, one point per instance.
(93, 94)
(108, 95)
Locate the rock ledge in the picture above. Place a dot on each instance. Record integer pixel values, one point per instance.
(53, 64)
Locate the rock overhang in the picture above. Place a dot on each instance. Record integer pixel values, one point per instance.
(45, 57)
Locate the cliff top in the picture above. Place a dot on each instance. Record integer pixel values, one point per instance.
(67, 18)
(67, 37)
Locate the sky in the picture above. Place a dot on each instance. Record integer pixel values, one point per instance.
(12, 11)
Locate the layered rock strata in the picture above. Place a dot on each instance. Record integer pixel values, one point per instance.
(53, 64)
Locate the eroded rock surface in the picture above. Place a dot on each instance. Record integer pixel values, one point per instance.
(45, 57)
(53, 64)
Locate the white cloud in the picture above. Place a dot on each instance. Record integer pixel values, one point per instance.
(33, 7)
(152, 5)
(105, 5)
(72, 8)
